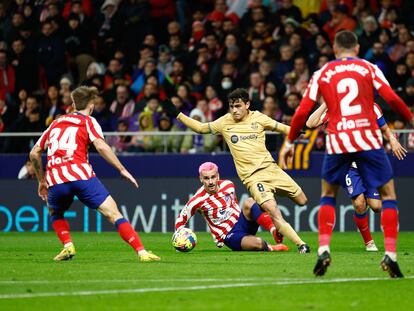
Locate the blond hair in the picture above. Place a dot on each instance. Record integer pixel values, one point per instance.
(82, 96)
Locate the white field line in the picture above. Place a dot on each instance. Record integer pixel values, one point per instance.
(197, 287)
(23, 282)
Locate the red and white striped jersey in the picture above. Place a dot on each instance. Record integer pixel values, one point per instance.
(66, 141)
(221, 210)
(347, 86)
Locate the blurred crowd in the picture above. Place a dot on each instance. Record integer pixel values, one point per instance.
(142, 53)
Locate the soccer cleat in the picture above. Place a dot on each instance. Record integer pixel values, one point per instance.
(304, 249)
(66, 253)
(390, 266)
(324, 260)
(278, 248)
(371, 247)
(148, 256)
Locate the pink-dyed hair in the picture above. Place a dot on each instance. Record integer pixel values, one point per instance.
(207, 166)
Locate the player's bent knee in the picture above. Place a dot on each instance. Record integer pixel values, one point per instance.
(301, 199)
(109, 209)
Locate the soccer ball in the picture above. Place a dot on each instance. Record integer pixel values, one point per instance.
(184, 240)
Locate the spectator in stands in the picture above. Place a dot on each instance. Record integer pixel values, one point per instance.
(7, 77)
(25, 65)
(52, 105)
(106, 119)
(5, 23)
(408, 94)
(50, 51)
(198, 143)
(256, 91)
(398, 50)
(123, 142)
(176, 47)
(297, 80)
(369, 36)
(109, 25)
(288, 9)
(78, 47)
(141, 142)
(215, 105)
(285, 64)
(381, 59)
(166, 143)
(123, 106)
(164, 60)
(177, 75)
(271, 108)
(401, 75)
(339, 21)
(139, 77)
(114, 69)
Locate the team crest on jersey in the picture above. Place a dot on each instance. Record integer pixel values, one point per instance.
(227, 198)
(234, 139)
(254, 126)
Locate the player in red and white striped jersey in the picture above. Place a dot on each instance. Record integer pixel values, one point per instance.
(216, 200)
(360, 195)
(347, 85)
(68, 173)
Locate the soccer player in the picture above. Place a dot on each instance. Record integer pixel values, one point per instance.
(216, 200)
(347, 85)
(68, 173)
(244, 132)
(361, 196)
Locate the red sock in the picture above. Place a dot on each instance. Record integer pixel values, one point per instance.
(265, 221)
(61, 227)
(389, 222)
(361, 221)
(326, 220)
(128, 234)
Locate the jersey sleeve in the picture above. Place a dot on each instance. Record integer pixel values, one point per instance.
(94, 129)
(267, 122)
(186, 213)
(380, 118)
(216, 126)
(43, 141)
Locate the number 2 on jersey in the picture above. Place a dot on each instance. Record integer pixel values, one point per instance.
(67, 141)
(349, 86)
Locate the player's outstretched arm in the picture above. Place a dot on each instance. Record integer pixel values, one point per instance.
(399, 151)
(36, 158)
(106, 152)
(316, 118)
(195, 125)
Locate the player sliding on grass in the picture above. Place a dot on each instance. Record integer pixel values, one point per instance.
(216, 200)
(360, 194)
(68, 173)
(244, 132)
(347, 85)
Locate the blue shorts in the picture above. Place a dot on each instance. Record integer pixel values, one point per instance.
(373, 165)
(354, 186)
(242, 228)
(90, 192)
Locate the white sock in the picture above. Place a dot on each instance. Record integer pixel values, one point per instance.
(322, 249)
(392, 255)
(67, 244)
(142, 252)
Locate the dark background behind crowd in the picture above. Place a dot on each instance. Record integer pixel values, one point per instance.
(141, 53)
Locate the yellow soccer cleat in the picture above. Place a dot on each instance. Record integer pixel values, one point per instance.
(66, 254)
(148, 256)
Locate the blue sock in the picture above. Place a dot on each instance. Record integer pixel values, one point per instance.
(389, 204)
(120, 221)
(360, 215)
(255, 211)
(328, 201)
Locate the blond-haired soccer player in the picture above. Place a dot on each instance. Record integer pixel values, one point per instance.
(216, 200)
(244, 132)
(68, 173)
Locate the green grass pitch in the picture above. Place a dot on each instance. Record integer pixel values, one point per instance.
(106, 275)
